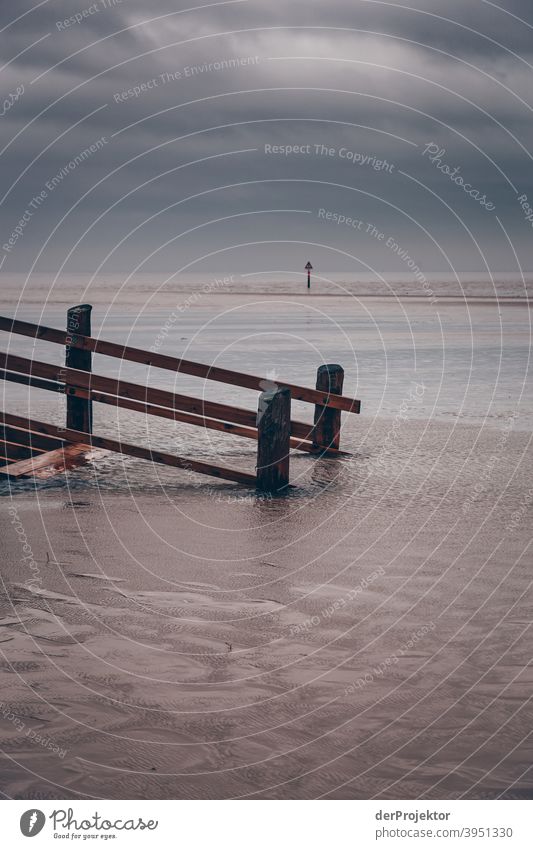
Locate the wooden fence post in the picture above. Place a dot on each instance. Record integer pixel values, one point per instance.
(327, 428)
(79, 410)
(273, 442)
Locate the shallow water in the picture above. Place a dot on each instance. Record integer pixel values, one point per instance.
(368, 635)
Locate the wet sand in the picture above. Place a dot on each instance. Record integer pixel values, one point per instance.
(367, 636)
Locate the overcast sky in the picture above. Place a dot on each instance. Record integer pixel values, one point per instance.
(184, 172)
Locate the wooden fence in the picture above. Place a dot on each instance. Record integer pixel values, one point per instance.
(26, 445)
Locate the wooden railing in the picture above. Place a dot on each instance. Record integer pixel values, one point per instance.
(271, 426)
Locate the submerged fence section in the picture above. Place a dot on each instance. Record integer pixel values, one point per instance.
(26, 441)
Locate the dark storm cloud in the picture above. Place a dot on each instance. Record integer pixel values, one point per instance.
(378, 80)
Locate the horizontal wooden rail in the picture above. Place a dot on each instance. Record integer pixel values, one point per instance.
(76, 436)
(136, 355)
(125, 389)
(161, 412)
(48, 463)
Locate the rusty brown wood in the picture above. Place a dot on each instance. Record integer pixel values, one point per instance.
(154, 456)
(35, 441)
(273, 454)
(14, 451)
(48, 463)
(79, 410)
(164, 412)
(125, 389)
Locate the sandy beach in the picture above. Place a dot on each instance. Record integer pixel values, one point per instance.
(365, 636)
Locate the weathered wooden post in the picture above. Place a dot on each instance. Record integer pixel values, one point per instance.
(273, 439)
(327, 428)
(79, 410)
